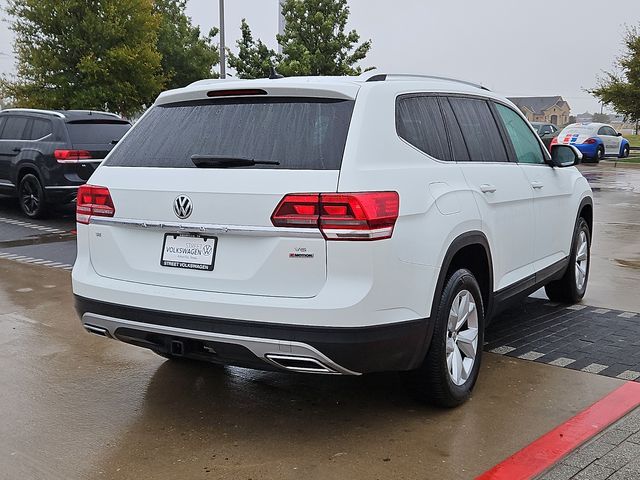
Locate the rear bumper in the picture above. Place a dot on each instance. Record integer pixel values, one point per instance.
(588, 150)
(349, 350)
(61, 194)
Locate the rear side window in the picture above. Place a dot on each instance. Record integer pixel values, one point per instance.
(14, 128)
(479, 129)
(96, 132)
(607, 131)
(298, 133)
(40, 128)
(525, 143)
(419, 121)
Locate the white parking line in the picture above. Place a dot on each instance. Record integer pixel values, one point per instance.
(33, 226)
(35, 261)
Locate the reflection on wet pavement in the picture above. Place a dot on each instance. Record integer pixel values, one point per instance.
(80, 406)
(615, 254)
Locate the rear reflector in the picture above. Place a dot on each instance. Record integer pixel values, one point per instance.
(93, 201)
(71, 156)
(341, 216)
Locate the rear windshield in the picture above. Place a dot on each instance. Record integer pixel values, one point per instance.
(96, 132)
(579, 129)
(299, 133)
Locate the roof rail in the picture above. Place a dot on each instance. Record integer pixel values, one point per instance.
(34, 110)
(381, 77)
(111, 114)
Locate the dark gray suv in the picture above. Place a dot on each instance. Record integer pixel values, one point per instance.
(46, 155)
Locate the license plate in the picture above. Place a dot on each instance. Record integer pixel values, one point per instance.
(193, 252)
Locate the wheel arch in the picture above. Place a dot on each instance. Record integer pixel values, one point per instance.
(26, 168)
(469, 245)
(469, 250)
(586, 211)
(624, 143)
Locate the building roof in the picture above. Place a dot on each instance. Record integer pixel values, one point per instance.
(537, 105)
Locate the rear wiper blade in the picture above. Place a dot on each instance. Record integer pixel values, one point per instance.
(224, 161)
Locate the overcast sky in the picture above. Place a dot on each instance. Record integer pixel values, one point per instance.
(515, 47)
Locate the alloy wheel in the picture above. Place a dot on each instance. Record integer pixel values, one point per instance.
(582, 260)
(30, 196)
(462, 337)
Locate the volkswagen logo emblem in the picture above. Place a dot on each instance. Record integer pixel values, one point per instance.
(182, 207)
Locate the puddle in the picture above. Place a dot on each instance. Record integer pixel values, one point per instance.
(628, 263)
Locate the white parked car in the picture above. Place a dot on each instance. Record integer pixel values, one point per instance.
(329, 225)
(595, 140)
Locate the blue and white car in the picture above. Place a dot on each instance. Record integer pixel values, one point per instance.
(595, 140)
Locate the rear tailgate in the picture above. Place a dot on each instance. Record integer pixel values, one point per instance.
(150, 174)
(94, 138)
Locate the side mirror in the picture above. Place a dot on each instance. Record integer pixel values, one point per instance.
(618, 134)
(565, 156)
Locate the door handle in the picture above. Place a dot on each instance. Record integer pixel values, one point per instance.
(486, 188)
(537, 185)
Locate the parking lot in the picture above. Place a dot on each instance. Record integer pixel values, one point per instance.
(78, 406)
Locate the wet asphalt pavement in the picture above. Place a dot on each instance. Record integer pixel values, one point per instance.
(74, 405)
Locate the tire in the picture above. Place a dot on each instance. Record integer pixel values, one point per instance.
(599, 154)
(31, 196)
(437, 381)
(625, 151)
(573, 285)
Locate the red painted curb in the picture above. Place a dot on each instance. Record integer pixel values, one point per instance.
(551, 447)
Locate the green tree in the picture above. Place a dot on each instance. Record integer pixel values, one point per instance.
(621, 89)
(254, 58)
(186, 55)
(601, 118)
(315, 42)
(86, 54)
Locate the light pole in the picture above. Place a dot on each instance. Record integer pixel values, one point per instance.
(223, 53)
(280, 22)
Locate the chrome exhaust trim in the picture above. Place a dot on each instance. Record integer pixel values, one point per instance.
(300, 364)
(291, 356)
(103, 332)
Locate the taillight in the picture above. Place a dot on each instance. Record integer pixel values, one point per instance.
(93, 202)
(590, 141)
(554, 141)
(341, 216)
(71, 156)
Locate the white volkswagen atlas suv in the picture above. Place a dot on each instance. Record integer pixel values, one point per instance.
(329, 225)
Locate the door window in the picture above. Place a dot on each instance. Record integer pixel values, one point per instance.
(458, 145)
(419, 121)
(479, 129)
(526, 145)
(14, 128)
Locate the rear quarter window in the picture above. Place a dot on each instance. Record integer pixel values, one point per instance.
(40, 128)
(298, 133)
(419, 121)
